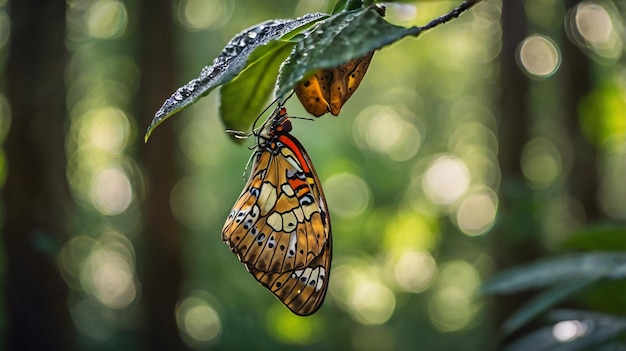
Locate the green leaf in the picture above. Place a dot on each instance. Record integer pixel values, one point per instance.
(598, 239)
(595, 265)
(337, 40)
(346, 5)
(243, 98)
(231, 61)
(542, 302)
(593, 329)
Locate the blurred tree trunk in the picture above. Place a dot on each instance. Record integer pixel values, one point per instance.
(575, 78)
(36, 195)
(162, 272)
(515, 238)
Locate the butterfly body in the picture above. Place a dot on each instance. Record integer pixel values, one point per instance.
(279, 227)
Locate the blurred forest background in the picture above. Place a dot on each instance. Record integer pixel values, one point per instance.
(486, 143)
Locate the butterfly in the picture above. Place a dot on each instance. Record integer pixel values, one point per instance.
(328, 89)
(279, 227)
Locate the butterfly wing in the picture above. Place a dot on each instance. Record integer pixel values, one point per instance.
(301, 290)
(279, 227)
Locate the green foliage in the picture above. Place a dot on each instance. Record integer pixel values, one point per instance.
(353, 30)
(244, 96)
(599, 332)
(337, 40)
(544, 273)
(542, 302)
(232, 60)
(346, 5)
(565, 277)
(613, 238)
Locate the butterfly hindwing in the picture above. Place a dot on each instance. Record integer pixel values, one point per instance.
(303, 290)
(279, 226)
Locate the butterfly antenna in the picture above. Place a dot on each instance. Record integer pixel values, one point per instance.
(245, 170)
(282, 103)
(237, 134)
(254, 129)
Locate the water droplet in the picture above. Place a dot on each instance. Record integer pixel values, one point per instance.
(231, 51)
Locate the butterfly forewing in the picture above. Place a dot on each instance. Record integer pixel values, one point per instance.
(279, 227)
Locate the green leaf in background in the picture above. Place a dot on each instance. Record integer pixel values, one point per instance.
(231, 61)
(582, 330)
(542, 302)
(595, 265)
(337, 40)
(598, 239)
(243, 98)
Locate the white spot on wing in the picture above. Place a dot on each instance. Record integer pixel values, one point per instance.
(275, 221)
(299, 214)
(317, 274)
(289, 221)
(267, 198)
(286, 188)
(293, 239)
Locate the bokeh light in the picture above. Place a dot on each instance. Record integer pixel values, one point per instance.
(107, 129)
(566, 331)
(411, 230)
(72, 257)
(414, 270)
(204, 14)
(111, 191)
(594, 26)
(286, 327)
(92, 320)
(401, 13)
(382, 129)
(371, 303)
(358, 289)
(539, 56)
(108, 272)
(541, 163)
(198, 321)
(476, 213)
(453, 306)
(446, 180)
(106, 19)
(348, 196)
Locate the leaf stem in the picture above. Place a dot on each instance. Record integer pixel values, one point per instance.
(456, 12)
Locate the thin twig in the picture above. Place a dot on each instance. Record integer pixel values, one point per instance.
(456, 12)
